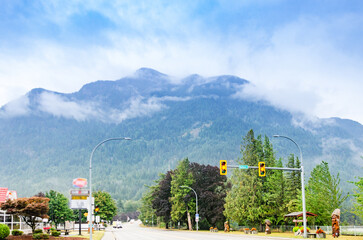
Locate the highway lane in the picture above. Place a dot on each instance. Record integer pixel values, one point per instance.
(132, 231)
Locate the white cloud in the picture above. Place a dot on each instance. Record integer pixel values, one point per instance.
(301, 70)
(18, 107)
(60, 107)
(137, 108)
(300, 67)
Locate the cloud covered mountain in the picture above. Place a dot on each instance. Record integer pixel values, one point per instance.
(46, 137)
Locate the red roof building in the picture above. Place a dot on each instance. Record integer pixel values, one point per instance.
(3, 192)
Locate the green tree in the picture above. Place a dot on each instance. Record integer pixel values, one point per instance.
(358, 197)
(244, 203)
(293, 186)
(120, 206)
(107, 206)
(274, 197)
(146, 210)
(181, 177)
(59, 211)
(323, 194)
(29, 209)
(131, 206)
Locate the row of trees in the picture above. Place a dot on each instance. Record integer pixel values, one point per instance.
(253, 199)
(245, 198)
(54, 206)
(170, 201)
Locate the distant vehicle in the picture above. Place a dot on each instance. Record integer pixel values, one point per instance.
(118, 225)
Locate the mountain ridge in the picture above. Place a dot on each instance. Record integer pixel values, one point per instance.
(200, 118)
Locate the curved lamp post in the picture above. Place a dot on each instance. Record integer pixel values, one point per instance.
(90, 179)
(196, 200)
(302, 182)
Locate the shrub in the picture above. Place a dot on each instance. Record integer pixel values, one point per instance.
(295, 229)
(40, 236)
(56, 233)
(17, 232)
(4, 231)
(38, 231)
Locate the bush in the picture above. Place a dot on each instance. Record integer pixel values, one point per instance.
(38, 231)
(4, 231)
(56, 233)
(40, 236)
(17, 232)
(295, 229)
(204, 224)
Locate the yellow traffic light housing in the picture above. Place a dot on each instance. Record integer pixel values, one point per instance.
(261, 169)
(223, 167)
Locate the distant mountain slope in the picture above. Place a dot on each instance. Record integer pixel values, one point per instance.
(46, 138)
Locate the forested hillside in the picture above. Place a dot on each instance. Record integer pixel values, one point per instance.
(46, 138)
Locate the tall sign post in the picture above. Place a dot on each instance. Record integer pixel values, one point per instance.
(79, 197)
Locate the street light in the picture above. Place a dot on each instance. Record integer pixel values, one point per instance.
(90, 179)
(196, 202)
(302, 182)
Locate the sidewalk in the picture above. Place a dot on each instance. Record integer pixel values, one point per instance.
(108, 234)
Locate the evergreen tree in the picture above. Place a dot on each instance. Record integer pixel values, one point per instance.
(181, 177)
(358, 197)
(244, 202)
(293, 185)
(323, 194)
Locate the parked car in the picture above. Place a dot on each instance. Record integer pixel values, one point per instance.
(118, 225)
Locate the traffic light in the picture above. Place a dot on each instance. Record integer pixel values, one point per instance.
(223, 167)
(97, 208)
(261, 169)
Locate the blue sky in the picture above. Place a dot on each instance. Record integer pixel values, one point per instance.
(303, 56)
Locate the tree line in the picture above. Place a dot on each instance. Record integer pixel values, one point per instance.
(245, 199)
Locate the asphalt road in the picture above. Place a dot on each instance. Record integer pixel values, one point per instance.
(132, 231)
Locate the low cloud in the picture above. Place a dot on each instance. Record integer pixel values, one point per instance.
(60, 106)
(18, 107)
(138, 107)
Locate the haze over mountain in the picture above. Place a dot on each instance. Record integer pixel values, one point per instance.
(46, 137)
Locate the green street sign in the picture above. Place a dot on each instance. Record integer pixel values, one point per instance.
(243, 166)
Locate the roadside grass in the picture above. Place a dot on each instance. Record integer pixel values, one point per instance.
(96, 235)
(291, 235)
